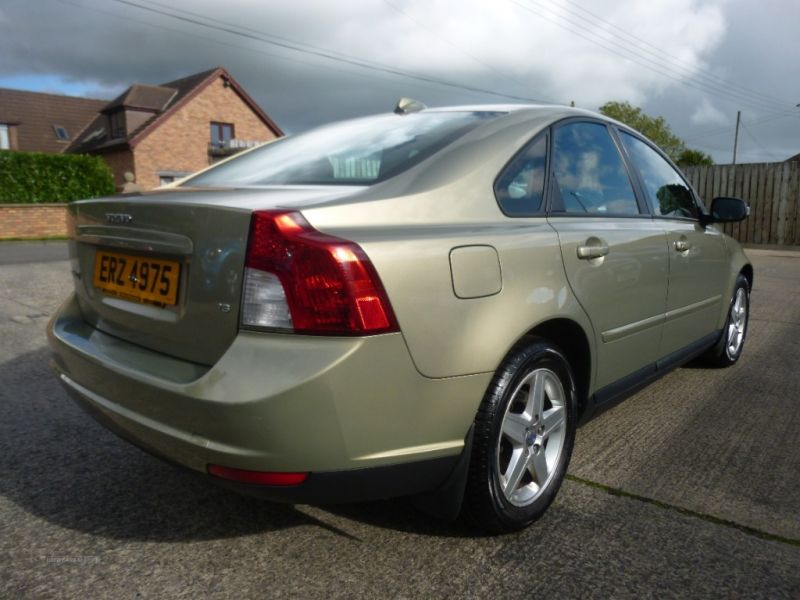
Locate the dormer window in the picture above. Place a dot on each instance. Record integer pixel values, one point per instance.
(118, 124)
(61, 133)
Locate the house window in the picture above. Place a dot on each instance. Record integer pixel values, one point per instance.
(165, 177)
(221, 134)
(5, 139)
(118, 124)
(61, 133)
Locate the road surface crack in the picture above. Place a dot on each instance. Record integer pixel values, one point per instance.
(687, 512)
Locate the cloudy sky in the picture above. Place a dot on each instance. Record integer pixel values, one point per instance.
(695, 62)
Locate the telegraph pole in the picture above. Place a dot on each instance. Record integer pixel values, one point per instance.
(736, 137)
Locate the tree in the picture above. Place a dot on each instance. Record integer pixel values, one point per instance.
(694, 158)
(657, 130)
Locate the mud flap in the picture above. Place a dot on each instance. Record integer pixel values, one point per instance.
(445, 501)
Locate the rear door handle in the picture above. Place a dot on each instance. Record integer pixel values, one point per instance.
(682, 245)
(588, 252)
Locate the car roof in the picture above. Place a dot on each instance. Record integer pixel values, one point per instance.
(539, 109)
(552, 111)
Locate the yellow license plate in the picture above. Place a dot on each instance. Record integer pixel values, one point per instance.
(137, 278)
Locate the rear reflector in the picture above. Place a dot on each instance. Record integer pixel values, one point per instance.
(297, 278)
(257, 477)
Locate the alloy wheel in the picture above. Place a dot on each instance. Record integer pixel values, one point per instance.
(737, 322)
(531, 437)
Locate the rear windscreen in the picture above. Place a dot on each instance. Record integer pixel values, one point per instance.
(358, 152)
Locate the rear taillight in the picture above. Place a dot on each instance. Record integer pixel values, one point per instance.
(299, 279)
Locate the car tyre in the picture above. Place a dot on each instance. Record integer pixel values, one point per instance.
(524, 432)
(731, 342)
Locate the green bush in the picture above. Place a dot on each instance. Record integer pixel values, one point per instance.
(35, 177)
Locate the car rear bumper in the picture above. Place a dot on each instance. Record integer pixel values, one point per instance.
(352, 412)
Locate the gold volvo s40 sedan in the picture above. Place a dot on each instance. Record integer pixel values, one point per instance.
(424, 303)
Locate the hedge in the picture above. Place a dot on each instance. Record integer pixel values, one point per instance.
(35, 177)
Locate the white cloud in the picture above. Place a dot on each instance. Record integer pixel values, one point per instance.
(553, 50)
(492, 45)
(708, 114)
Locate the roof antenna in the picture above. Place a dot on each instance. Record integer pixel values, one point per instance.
(408, 105)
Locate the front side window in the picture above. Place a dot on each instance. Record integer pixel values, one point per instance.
(667, 193)
(221, 134)
(5, 139)
(358, 152)
(520, 187)
(589, 172)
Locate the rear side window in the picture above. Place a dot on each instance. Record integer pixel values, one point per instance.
(589, 172)
(520, 187)
(667, 192)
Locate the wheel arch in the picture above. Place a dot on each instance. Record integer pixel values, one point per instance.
(747, 271)
(570, 337)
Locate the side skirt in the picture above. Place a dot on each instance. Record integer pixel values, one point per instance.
(613, 393)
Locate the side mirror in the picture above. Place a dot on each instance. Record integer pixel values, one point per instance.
(727, 210)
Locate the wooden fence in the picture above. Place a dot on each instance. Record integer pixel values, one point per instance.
(771, 189)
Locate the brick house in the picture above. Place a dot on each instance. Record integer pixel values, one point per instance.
(37, 122)
(163, 132)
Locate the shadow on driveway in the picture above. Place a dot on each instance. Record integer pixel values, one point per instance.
(60, 465)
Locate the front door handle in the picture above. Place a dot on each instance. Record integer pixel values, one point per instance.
(682, 245)
(588, 252)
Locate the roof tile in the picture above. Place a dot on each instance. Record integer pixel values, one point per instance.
(37, 114)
